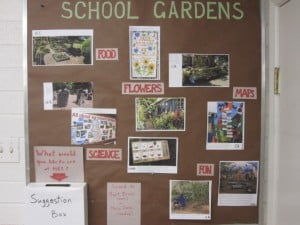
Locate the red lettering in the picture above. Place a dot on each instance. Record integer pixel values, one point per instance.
(205, 169)
(238, 92)
(142, 88)
(251, 94)
(106, 54)
(104, 154)
(244, 93)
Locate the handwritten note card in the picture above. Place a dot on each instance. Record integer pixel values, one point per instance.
(123, 203)
(58, 164)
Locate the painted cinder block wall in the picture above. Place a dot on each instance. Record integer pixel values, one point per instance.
(12, 175)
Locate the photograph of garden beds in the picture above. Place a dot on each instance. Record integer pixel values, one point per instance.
(61, 50)
(205, 70)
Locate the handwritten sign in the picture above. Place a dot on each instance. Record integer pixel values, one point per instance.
(56, 204)
(124, 203)
(58, 164)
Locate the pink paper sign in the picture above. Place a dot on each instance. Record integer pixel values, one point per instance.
(123, 203)
(58, 164)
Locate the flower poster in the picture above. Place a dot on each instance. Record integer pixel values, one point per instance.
(144, 52)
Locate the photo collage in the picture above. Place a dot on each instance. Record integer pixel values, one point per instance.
(189, 199)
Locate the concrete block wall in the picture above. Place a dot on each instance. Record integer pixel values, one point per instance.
(12, 175)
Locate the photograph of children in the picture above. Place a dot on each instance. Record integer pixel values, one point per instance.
(198, 70)
(238, 185)
(190, 199)
(160, 114)
(67, 95)
(93, 125)
(152, 154)
(225, 125)
(62, 47)
(144, 52)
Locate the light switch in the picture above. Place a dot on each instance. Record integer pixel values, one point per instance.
(9, 150)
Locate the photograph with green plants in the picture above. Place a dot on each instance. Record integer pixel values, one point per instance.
(68, 95)
(160, 114)
(190, 199)
(62, 47)
(205, 70)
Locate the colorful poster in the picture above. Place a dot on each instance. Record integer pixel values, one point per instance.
(190, 199)
(144, 52)
(62, 47)
(225, 125)
(152, 155)
(67, 95)
(238, 185)
(199, 70)
(160, 114)
(123, 203)
(58, 164)
(93, 125)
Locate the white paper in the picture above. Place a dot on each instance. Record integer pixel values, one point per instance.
(58, 164)
(123, 203)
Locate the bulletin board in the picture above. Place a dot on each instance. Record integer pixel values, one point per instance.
(206, 64)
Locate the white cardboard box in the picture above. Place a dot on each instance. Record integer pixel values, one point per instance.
(56, 204)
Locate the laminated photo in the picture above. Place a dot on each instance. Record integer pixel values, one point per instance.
(67, 95)
(198, 70)
(160, 114)
(62, 47)
(93, 125)
(144, 42)
(152, 154)
(190, 199)
(225, 125)
(238, 184)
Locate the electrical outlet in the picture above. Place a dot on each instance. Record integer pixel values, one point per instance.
(9, 150)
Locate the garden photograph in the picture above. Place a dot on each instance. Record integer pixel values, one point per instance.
(205, 70)
(57, 50)
(160, 114)
(238, 177)
(190, 197)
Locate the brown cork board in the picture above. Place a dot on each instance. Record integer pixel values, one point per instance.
(238, 34)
